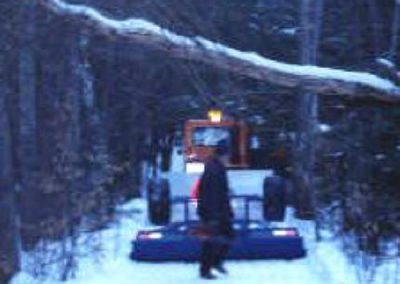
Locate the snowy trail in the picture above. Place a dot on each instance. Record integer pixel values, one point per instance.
(117, 268)
(324, 264)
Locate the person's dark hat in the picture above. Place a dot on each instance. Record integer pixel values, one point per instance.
(221, 148)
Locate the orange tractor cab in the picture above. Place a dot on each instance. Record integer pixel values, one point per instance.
(200, 138)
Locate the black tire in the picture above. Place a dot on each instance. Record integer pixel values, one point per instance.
(165, 202)
(150, 198)
(274, 203)
(159, 204)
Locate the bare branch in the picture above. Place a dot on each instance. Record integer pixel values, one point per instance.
(320, 80)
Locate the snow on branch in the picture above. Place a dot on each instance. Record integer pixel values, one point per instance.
(310, 78)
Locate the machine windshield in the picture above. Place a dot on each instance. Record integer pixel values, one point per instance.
(209, 136)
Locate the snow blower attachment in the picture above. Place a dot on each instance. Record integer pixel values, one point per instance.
(181, 241)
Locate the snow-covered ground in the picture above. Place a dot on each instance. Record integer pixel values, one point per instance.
(325, 263)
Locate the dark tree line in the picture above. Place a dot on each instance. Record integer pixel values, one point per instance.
(80, 113)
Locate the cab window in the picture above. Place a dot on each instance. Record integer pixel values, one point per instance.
(210, 135)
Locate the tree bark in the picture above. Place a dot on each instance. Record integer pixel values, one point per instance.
(314, 79)
(311, 18)
(26, 133)
(376, 27)
(394, 43)
(71, 142)
(9, 244)
(27, 91)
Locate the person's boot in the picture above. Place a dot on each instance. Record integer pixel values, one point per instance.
(221, 269)
(220, 257)
(207, 275)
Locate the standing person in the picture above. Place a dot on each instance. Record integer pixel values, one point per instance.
(215, 212)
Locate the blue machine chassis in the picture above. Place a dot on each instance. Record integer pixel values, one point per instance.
(180, 241)
(176, 243)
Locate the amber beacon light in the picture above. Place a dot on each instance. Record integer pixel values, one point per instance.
(215, 115)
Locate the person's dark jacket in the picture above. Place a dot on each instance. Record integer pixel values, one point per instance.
(213, 198)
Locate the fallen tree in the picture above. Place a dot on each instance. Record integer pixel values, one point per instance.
(319, 80)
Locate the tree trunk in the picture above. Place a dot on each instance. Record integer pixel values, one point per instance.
(9, 244)
(376, 27)
(311, 13)
(27, 154)
(71, 144)
(27, 92)
(394, 43)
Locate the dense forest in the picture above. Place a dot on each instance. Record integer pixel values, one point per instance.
(82, 112)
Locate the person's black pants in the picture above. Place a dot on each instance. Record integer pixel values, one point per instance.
(216, 247)
(213, 253)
